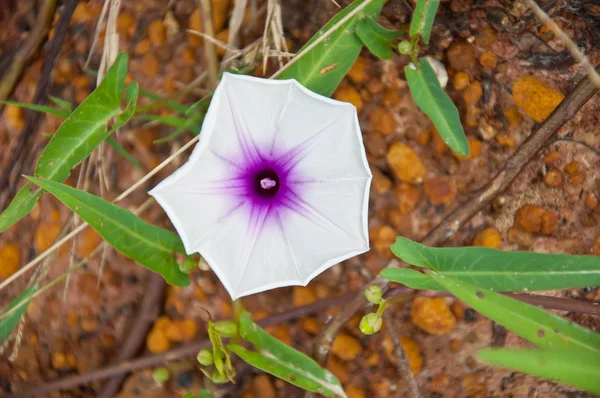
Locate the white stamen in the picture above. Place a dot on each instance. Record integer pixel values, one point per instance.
(267, 183)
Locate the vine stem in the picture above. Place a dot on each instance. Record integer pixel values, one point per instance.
(480, 199)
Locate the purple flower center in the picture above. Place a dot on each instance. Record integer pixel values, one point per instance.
(266, 183)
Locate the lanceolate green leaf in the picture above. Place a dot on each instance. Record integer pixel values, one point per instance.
(39, 108)
(123, 152)
(86, 127)
(77, 137)
(500, 270)
(411, 278)
(546, 330)
(283, 361)
(431, 98)
(377, 39)
(323, 67)
(581, 370)
(19, 207)
(149, 245)
(10, 322)
(422, 20)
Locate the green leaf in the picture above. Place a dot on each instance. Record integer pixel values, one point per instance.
(205, 394)
(39, 108)
(170, 120)
(544, 329)
(377, 39)
(422, 20)
(411, 278)
(85, 128)
(170, 104)
(500, 270)
(323, 67)
(283, 361)
(120, 150)
(23, 202)
(581, 370)
(149, 245)
(10, 322)
(431, 98)
(79, 135)
(62, 103)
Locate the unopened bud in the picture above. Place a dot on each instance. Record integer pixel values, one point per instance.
(188, 265)
(218, 378)
(226, 328)
(205, 357)
(370, 323)
(404, 47)
(161, 375)
(373, 293)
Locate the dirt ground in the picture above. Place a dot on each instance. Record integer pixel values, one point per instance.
(486, 47)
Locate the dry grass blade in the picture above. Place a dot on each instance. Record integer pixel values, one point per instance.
(235, 23)
(209, 48)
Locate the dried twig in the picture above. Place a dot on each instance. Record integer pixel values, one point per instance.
(33, 42)
(235, 23)
(209, 48)
(480, 199)
(571, 47)
(146, 313)
(402, 361)
(33, 118)
(173, 355)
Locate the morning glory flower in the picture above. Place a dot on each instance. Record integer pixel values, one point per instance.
(276, 190)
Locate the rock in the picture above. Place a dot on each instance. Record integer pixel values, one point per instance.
(552, 159)
(486, 36)
(411, 348)
(514, 117)
(486, 131)
(183, 330)
(14, 116)
(355, 392)
(391, 98)
(439, 383)
(407, 196)
(406, 164)
(534, 219)
(382, 120)
(534, 98)
(303, 296)
(358, 71)
(460, 81)
(591, 201)
(157, 341)
(474, 150)
(519, 237)
(311, 325)
(346, 347)
(45, 236)
(382, 238)
(596, 245)
(439, 190)
(381, 183)
(475, 385)
(10, 259)
(157, 33)
(89, 240)
(348, 93)
(489, 237)
(263, 387)
(149, 65)
(339, 369)
(554, 178)
(472, 95)
(462, 55)
(577, 178)
(375, 144)
(488, 60)
(432, 315)
(281, 333)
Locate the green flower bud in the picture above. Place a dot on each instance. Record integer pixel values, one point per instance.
(188, 265)
(226, 328)
(161, 375)
(370, 323)
(205, 357)
(404, 47)
(218, 378)
(373, 293)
